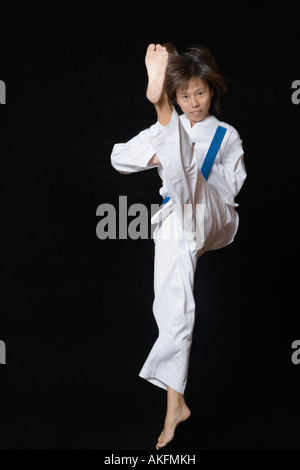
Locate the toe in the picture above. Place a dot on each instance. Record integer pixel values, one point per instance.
(160, 442)
(151, 47)
(160, 445)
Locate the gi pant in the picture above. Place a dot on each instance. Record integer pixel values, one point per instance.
(173, 307)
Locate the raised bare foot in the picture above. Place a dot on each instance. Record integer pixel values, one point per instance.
(156, 63)
(176, 414)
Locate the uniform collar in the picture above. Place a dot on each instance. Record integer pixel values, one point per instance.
(208, 121)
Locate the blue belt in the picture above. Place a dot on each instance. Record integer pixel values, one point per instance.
(212, 151)
(166, 199)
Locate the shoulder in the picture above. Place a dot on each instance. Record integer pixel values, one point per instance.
(231, 134)
(232, 145)
(146, 134)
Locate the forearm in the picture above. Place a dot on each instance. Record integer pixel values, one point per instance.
(134, 155)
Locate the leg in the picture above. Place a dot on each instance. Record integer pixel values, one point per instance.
(174, 311)
(156, 63)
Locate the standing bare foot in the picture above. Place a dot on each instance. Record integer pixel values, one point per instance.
(177, 412)
(156, 63)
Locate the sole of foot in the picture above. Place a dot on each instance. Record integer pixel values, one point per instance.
(156, 61)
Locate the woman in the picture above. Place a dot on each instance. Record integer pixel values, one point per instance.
(181, 148)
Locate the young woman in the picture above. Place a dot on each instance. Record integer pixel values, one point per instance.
(182, 148)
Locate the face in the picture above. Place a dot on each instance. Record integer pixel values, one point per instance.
(195, 100)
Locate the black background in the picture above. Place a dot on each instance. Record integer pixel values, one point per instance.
(76, 312)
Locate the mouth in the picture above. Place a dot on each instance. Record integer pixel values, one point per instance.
(196, 113)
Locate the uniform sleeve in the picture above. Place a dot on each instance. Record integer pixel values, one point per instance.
(229, 174)
(134, 155)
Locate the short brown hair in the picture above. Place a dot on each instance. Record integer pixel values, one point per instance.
(196, 62)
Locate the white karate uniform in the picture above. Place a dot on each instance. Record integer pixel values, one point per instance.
(181, 150)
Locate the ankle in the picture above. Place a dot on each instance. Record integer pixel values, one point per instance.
(163, 103)
(164, 111)
(176, 403)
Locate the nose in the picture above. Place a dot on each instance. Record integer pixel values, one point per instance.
(195, 103)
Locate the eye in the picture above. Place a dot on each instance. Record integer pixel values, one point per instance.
(185, 97)
(200, 93)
